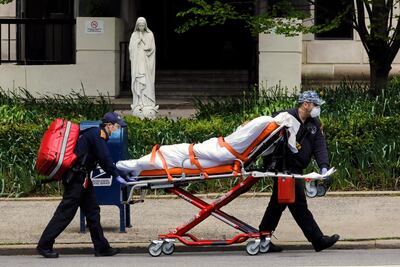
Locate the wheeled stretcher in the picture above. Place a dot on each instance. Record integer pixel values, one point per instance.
(272, 137)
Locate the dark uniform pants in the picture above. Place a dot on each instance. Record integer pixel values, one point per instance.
(299, 210)
(75, 196)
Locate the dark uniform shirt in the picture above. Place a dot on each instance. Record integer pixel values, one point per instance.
(310, 142)
(93, 141)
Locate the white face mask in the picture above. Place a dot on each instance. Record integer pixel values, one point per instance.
(315, 112)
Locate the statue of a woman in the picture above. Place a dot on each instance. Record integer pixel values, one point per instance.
(142, 50)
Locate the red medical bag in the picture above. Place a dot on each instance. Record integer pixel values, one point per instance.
(56, 152)
(286, 190)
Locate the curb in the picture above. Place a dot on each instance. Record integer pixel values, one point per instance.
(142, 248)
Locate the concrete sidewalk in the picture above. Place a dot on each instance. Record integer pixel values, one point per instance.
(363, 220)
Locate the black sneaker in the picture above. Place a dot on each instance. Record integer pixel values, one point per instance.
(108, 252)
(273, 248)
(325, 242)
(47, 253)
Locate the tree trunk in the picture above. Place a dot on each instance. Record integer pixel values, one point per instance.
(379, 75)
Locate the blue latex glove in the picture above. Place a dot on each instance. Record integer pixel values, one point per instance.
(328, 179)
(124, 173)
(121, 181)
(130, 179)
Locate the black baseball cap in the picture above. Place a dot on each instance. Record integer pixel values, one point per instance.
(113, 117)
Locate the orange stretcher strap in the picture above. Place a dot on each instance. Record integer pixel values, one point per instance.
(194, 161)
(153, 153)
(165, 166)
(222, 143)
(178, 171)
(236, 168)
(266, 132)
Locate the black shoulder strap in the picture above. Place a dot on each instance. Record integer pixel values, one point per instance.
(81, 132)
(303, 135)
(82, 155)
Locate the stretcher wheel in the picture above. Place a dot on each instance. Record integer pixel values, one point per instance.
(253, 248)
(321, 190)
(168, 248)
(264, 245)
(311, 189)
(155, 249)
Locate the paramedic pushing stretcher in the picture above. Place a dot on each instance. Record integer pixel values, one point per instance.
(310, 142)
(91, 149)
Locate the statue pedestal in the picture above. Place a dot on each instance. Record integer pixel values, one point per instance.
(146, 112)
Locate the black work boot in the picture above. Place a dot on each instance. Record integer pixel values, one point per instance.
(47, 253)
(273, 248)
(107, 252)
(325, 242)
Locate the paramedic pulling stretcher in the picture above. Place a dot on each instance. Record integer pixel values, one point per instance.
(69, 155)
(169, 167)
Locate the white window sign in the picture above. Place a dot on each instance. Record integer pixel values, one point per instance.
(94, 26)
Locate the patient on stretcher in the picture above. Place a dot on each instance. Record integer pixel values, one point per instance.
(212, 152)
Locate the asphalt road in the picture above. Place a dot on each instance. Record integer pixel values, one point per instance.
(368, 257)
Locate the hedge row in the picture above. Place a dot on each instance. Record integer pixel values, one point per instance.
(362, 134)
(365, 151)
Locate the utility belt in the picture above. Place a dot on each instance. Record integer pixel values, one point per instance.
(76, 174)
(79, 173)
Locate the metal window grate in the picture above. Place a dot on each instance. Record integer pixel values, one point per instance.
(37, 41)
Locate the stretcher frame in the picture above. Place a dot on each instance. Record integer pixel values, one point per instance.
(260, 240)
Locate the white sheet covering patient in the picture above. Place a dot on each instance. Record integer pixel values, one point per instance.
(210, 153)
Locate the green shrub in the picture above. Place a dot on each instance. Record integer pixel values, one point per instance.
(17, 156)
(362, 134)
(23, 120)
(76, 105)
(251, 105)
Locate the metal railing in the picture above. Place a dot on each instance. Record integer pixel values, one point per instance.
(125, 67)
(37, 41)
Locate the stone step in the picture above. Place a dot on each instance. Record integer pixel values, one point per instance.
(185, 85)
(205, 90)
(124, 103)
(168, 102)
(200, 86)
(189, 93)
(197, 93)
(201, 72)
(201, 78)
